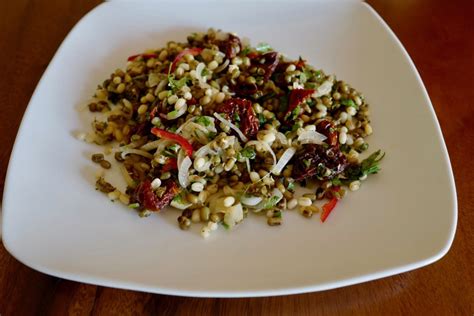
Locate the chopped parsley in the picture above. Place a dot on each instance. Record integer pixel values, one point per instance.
(248, 152)
(204, 120)
(271, 202)
(349, 103)
(246, 51)
(370, 165)
(176, 85)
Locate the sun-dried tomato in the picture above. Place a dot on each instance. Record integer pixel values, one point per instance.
(231, 46)
(245, 89)
(268, 62)
(314, 160)
(325, 127)
(297, 96)
(147, 199)
(241, 111)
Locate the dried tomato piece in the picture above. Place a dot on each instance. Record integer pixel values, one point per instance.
(245, 89)
(314, 161)
(267, 62)
(297, 96)
(231, 47)
(240, 110)
(149, 200)
(325, 127)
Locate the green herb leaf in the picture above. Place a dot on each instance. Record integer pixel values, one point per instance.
(176, 85)
(261, 119)
(271, 202)
(236, 117)
(134, 205)
(291, 186)
(204, 120)
(370, 165)
(248, 152)
(349, 103)
(277, 214)
(263, 48)
(307, 163)
(226, 226)
(245, 51)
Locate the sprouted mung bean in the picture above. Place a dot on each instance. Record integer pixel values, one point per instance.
(218, 130)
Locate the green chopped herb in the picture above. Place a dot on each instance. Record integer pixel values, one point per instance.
(134, 205)
(363, 147)
(336, 181)
(277, 214)
(370, 165)
(176, 85)
(271, 202)
(245, 51)
(261, 119)
(236, 117)
(248, 152)
(345, 148)
(204, 120)
(204, 72)
(307, 163)
(349, 103)
(291, 186)
(226, 226)
(263, 48)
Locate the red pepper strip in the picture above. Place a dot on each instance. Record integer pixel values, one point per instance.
(171, 164)
(145, 56)
(153, 112)
(188, 148)
(192, 51)
(253, 55)
(327, 208)
(296, 97)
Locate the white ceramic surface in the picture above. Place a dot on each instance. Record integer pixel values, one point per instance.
(401, 219)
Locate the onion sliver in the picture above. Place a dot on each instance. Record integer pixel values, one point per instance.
(284, 159)
(232, 126)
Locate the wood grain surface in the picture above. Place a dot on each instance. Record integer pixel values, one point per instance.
(439, 36)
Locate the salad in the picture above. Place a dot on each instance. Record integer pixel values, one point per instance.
(219, 130)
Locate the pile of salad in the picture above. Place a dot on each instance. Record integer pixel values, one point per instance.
(219, 129)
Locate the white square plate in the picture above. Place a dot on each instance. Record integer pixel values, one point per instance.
(401, 219)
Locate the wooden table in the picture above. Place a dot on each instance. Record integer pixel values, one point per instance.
(439, 36)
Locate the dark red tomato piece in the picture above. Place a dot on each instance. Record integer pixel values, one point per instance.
(171, 164)
(297, 96)
(231, 47)
(149, 200)
(314, 161)
(325, 127)
(245, 89)
(242, 109)
(268, 62)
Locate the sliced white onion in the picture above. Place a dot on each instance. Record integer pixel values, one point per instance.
(284, 159)
(311, 137)
(323, 89)
(222, 67)
(183, 171)
(199, 68)
(136, 152)
(247, 162)
(232, 126)
(152, 145)
(250, 200)
(126, 176)
(281, 138)
(204, 151)
(276, 193)
(184, 124)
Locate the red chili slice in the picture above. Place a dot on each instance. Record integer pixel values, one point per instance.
(192, 51)
(183, 142)
(145, 56)
(327, 208)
